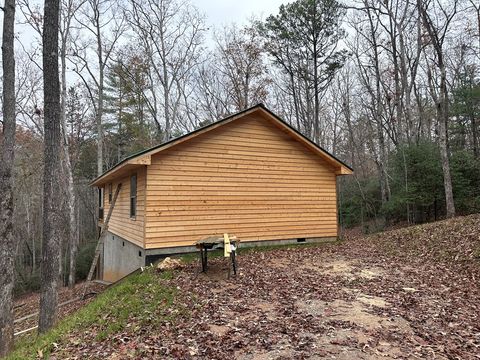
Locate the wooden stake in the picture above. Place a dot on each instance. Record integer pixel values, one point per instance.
(101, 239)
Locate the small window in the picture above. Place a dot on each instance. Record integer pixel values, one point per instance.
(110, 188)
(100, 202)
(139, 253)
(133, 196)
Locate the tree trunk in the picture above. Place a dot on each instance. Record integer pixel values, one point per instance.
(398, 98)
(52, 204)
(442, 106)
(71, 234)
(166, 104)
(246, 91)
(74, 246)
(442, 112)
(98, 118)
(295, 101)
(377, 106)
(99, 114)
(474, 136)
(7, 240)
(316, 121)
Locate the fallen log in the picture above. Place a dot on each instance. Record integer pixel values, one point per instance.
(36, 313)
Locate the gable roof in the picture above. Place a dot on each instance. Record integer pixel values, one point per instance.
(144, 157)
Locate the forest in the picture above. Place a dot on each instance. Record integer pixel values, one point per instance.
(391, 88)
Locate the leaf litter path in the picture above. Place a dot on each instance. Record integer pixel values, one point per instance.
(321, 303)
(334, 301)
(28, 304)
(355, 300)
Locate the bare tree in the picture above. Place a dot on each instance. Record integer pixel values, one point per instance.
(475, 6)
(400, 23)
(29, 94)
(239, 59)
(436, 33)
(171, 33)
(476, 51)
(67, 13)
(97, 18)
(210, 96)
(52, 198)
(368, 53)
(7, 143)
(32, 16)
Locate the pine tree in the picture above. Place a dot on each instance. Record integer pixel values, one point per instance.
(126, 84)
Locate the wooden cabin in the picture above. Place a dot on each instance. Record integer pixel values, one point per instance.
(250, 174)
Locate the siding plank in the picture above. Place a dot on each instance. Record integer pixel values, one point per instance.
(120, 223)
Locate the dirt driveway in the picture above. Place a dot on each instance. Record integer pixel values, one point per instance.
(402, 295)
(337, 302)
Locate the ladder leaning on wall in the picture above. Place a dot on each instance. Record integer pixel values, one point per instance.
(101, 239)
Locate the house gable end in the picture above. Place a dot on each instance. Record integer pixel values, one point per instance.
(248, 178)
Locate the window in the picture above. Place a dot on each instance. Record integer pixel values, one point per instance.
(100, 203)
(110, 188)
(133, 195)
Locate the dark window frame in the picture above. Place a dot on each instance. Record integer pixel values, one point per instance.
(101, 202)
(133, 196)
(110, 193)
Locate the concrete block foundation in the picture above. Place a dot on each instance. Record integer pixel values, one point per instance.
(120, 258)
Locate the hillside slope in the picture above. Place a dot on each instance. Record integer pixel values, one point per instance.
(454, 240)
(407, 293)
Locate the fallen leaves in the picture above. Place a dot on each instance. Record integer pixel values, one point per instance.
(409, 293)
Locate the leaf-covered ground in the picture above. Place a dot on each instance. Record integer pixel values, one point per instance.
(27, 305)
(405, 294)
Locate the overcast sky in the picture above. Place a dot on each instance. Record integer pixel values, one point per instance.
(222, 12)
(217, 12)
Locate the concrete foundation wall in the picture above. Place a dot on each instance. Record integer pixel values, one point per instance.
(120, 257)
(288, 241)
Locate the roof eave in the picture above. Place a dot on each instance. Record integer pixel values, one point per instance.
(344, 171)
(128, 165)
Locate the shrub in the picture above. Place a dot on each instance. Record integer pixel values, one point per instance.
(84, 259)
(465, 171)
(359, 202)
(416, 181)
(27, 283)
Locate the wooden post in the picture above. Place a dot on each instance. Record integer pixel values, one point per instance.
(101, 238)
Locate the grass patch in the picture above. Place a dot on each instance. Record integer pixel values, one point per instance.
(137, 301)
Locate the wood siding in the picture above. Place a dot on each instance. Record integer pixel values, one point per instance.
(246, 178)
(121, 224)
